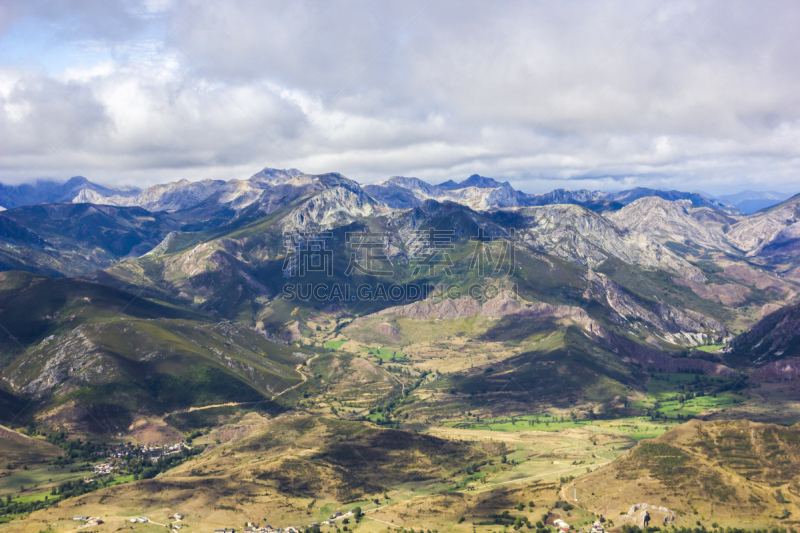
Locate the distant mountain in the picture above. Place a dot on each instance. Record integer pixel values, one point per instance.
(696, 199)
(564, 196)
(60, 241)
(476, 192)
(46, 191)
(395, 196)
(185, 194)
(415, 185)
(56, 240)
(773, 233)
(475, 180)
(751, 201)
(163, 197)
(482, 193)
(66, 239)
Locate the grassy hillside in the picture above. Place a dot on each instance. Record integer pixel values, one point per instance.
(731, 472)
(293, 469)
(33, 307)
(564, 369)
(91, 357)
(18, 450)
(98, 377)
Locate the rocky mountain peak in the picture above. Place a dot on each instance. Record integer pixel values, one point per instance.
(76, 181)
(475, 180)
(275, 175)
(338, 204)
(775, 230)
(412, 184)
(482, 182)
(669, 221)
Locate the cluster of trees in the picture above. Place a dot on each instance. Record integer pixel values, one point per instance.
(69, 489)
(506, 519)
(10, 507)
(193, 435)
(564, 505)
(474, 467)
(655, 416)
(147, 469)
(681, 398)
(75, 450)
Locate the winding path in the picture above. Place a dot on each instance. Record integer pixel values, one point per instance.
(487, 487)
(232, 404)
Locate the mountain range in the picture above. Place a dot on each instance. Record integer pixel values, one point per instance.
(398, 192)
(640, 272)
(287, 319)
(106, 235)
(44, 191)
(751, 201)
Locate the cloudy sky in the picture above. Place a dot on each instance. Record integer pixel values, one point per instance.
(680, 94)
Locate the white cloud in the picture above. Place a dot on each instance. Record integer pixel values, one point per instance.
(700, 95)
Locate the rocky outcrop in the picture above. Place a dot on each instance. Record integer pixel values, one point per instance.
(581, 236)
(772, 232)
(163, 246)
(65, 363)
(685, 327)
(669, 221)
(644, 506)
(334, 207)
